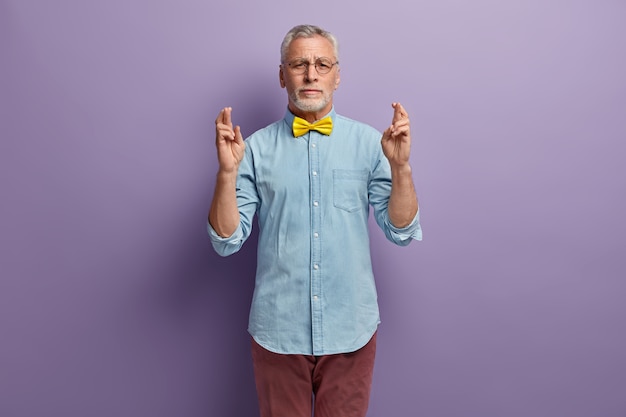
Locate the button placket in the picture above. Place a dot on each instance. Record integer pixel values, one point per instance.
(316, 221)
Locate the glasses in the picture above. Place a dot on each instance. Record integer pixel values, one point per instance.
(322, 66)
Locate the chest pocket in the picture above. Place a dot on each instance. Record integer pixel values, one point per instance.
(350, 189)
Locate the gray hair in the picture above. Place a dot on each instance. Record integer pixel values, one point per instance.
(307, 31)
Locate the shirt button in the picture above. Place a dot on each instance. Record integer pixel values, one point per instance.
(316, 234)
(314, 173)
(315, 203)
(315, 297)
(312, 145)
(316, 266)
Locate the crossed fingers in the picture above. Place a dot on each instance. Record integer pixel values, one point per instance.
(400, 124)
(224, 125)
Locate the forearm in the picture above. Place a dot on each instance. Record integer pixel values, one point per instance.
(403, 200)
(224, 213)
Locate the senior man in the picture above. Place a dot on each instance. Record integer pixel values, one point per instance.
(311, 179)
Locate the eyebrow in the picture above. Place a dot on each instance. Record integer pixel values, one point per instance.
(307, 59)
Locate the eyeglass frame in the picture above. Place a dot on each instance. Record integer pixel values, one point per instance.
(307, 63)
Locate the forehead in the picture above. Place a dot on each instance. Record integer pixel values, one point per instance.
(312, 48)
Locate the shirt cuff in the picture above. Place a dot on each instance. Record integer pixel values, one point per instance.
(412, 231)
(225, 245)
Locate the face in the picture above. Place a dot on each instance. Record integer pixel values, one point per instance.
(310, 94)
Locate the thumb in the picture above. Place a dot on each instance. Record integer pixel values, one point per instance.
(238, 135)
(387, 133)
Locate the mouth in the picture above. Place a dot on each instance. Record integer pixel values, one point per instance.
(310, 92)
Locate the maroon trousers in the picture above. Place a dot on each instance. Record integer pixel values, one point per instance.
(333, 385)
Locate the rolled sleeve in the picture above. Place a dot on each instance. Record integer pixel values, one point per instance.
(225, 246)
(403, 236)
(379, 194)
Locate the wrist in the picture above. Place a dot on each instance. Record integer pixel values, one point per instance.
(401, 169)
(224, 175)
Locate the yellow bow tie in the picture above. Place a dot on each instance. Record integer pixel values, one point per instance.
(301, 126)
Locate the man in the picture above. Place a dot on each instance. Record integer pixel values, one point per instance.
(314, 311)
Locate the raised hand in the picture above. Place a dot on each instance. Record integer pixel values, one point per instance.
(229, 142)
(396, 140)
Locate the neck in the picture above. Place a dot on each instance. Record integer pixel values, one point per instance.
(310, 116)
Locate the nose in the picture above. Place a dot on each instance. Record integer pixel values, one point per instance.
(311, 73)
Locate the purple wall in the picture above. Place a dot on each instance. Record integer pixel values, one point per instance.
(112, 302)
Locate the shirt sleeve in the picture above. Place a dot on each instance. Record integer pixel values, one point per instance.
(247, 203)
(225, 246)
(404, 235)
(379, 194)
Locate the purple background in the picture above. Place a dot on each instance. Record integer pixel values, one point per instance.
(112, 302)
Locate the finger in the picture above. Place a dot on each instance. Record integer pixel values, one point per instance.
(398, 112)
(402, 130)
(387, 133)
(398, 107)
(225, 132)
(224, 116)
(227, 116)
(402, 122)
(220, 117)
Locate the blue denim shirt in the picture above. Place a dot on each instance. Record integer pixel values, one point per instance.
(315, 291)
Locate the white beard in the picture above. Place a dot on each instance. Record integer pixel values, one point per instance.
(310, 104)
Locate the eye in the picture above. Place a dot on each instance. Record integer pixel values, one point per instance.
(324, 64)
(298, 65)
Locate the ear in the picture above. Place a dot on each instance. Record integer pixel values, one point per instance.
(337, 80)
(281, 76)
